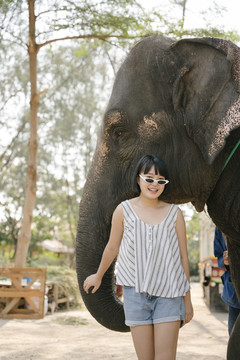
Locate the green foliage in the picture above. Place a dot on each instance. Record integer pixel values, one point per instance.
(175, 27)
(193, 236)
(66, 279)
(44, 258)
(5, 5)
(69, 116)
(122, 18)
(9, 227)
(71, 320)
(192, 219)
(8, 230)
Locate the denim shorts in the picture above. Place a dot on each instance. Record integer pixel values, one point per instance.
(144, 309)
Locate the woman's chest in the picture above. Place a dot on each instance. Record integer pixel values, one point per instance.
(152, 217)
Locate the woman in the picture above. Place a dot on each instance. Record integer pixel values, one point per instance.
(153, 268)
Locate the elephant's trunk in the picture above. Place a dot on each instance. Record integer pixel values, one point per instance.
(93, 232)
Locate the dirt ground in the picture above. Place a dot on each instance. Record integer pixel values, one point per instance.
(76, 335)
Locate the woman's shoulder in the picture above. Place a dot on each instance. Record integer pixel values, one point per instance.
(175, 207)
(169, 205)
(124, 204)
(131, 201)
(119, 208)
(118, 213)
(175, 211)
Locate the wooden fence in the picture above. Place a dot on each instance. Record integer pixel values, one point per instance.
(22, 292)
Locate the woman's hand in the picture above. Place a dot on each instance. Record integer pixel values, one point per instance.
(225, 258)
(92, 281)
(188, 308)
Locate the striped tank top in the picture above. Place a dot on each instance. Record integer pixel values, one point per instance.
(149, 256)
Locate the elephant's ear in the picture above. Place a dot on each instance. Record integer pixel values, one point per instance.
(206, 91)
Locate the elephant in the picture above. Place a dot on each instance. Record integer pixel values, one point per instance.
(179, 100)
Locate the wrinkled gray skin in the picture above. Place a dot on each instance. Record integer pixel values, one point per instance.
(180, 101)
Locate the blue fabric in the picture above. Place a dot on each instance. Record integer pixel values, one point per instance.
(232, 317)
(145, 309)
(228, 295)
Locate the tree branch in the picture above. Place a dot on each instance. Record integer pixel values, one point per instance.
(46, 12)
(11, 145)
(20, 43)
(13, 95)
(42, 92)
(111, 62)
(91, 36)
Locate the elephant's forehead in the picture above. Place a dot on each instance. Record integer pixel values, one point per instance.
(229, 123)
(151, 124)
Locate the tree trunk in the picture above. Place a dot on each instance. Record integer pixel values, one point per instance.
(24, 235)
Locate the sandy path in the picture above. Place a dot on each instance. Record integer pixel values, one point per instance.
(205, 338)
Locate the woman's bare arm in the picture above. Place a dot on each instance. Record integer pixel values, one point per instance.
(182, 241)
(110, 252)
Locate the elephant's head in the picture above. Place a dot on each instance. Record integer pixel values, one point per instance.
(177, 100)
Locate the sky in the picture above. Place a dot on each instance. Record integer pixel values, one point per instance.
(229, 19)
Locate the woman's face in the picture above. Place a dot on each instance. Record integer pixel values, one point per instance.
(152, 185)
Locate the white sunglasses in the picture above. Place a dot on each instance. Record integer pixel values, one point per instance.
(150, 180)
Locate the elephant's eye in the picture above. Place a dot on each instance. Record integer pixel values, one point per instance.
(120, 136)
(117, 133)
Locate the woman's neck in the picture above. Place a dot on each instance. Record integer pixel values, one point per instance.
(150, 203)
